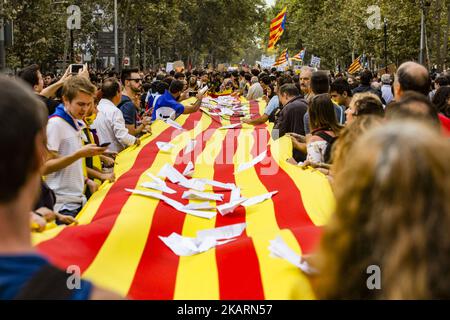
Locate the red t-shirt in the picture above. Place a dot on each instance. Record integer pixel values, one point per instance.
(445, 125)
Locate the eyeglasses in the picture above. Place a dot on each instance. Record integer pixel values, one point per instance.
(136, 80)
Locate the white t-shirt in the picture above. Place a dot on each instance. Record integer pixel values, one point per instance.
(110, 127)
(68, 183)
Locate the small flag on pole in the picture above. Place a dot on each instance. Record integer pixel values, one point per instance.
(277, 27)
(299, 56)
(355, 66)
(283, 58)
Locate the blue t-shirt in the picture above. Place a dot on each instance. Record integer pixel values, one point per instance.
(17, 270)
(167, 107)
(272, 105)
(128, 109)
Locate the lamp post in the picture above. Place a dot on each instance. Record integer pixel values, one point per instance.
(117, 65)
(385, 46)
(140, 28)
(422, 31)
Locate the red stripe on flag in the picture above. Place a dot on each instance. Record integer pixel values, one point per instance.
(155, 276)
(237, 262)
(79, 245)
(279, 17)
(288, 216)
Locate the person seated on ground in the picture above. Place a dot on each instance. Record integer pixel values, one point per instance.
(325, 130)
(24, 273)
(290, 118)
(167, 106)
(441, 101)
(411, 76)
(415, 106)
(376, 226)
(65, 174)
(129, 104)
(109, 123)
(273, 105)
(255, 91)
(364, 104)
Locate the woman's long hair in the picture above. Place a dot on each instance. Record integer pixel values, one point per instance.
(393, 211)
(322, 114)
(440, 100)
(347, 138)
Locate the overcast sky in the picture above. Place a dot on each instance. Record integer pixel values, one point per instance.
(270, 2)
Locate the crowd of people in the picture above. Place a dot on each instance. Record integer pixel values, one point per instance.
(382, 142)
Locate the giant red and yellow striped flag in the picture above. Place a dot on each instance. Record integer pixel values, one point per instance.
(277, 26)
(116, 243)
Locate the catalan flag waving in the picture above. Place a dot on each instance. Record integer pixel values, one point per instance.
(355, 66)
(299, 56)
(277, 27)
(283, 58)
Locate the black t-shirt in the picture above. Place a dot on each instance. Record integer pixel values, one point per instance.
(51, 104)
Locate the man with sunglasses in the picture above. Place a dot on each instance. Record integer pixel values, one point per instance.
(132, 86)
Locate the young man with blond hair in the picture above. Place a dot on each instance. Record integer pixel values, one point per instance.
(64, 138)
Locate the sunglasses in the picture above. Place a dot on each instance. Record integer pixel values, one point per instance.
(136, 80)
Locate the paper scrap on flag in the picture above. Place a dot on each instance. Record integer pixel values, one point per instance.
(189, 170)
(227, 208)
(156, 179)
(218, 184)
(258, 199)
(256, 160)
(175, 204)
(231, 126)
(169, 172)
(174, 124)
(164, 146)
(194, 195)
(190, 146)
(159, 187)
(199, 206)
(226, 112)
(205, 240)
(235, 194)
(279, 249)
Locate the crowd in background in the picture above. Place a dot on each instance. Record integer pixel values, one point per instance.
(382, 142)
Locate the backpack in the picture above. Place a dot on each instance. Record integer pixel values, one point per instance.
(330, 141)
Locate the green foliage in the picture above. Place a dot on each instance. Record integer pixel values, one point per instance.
(199, 31)
(334, 29)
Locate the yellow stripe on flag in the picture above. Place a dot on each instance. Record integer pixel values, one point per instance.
(115, 265)
(197, 276)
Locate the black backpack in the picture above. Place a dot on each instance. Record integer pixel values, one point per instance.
(330, 140)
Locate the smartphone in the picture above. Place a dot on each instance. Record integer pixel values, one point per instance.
(104, 144)
(193, 93)
(74, 68)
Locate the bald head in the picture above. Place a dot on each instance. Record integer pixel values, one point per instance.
(411, 76)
